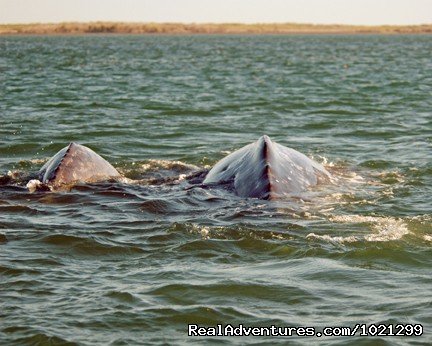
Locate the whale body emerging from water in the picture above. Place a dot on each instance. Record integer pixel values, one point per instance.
(74, 164)
(263, 169)
(266, 170)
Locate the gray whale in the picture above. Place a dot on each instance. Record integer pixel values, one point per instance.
(266, 170)
(263, 169)
(73, 164)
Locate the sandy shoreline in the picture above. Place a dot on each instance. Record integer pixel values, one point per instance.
(210, 28)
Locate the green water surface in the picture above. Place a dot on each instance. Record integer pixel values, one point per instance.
(119, 263)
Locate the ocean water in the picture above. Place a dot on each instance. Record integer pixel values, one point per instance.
(117, 263)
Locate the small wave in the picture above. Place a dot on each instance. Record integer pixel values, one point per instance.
(254, 290)
(324, 161)
(34, 185)
(13, 177)
(19, 209)
(391, 177)
(376, 164)
(424, 219)
(3, 238)
(39, 161)
(10, 271)
(44, 339)
(124, 297)
(196, 313)
(332, 239)
(155, 206)
(428, 237)
(156, 172)
(89, 246)
(154, 165)
(179, 166)
(233, 233)
(386, 229)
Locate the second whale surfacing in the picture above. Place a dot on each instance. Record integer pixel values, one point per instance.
(266, 170)
(75, 164)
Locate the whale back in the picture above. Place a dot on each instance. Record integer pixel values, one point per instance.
(76, 163)
(265, 169)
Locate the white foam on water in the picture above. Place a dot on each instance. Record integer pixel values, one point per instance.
(14, 174)
(181, 177)
(385, 229)
(153, 164)
(33, 185)
(326, 237)
(396, 175)
(388, 229)
(325, 162)
(427, 237)
(39, 161)
(217, 232)
(204, 231)
(125, 180)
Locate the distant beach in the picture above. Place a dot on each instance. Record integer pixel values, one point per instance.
(210, 28)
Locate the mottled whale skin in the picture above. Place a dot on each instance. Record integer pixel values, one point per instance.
(73, 164)
(266, 170)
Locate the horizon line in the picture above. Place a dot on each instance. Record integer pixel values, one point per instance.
(209, 23)
(108, 27)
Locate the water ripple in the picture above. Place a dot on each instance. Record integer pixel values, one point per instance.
(133, 262)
